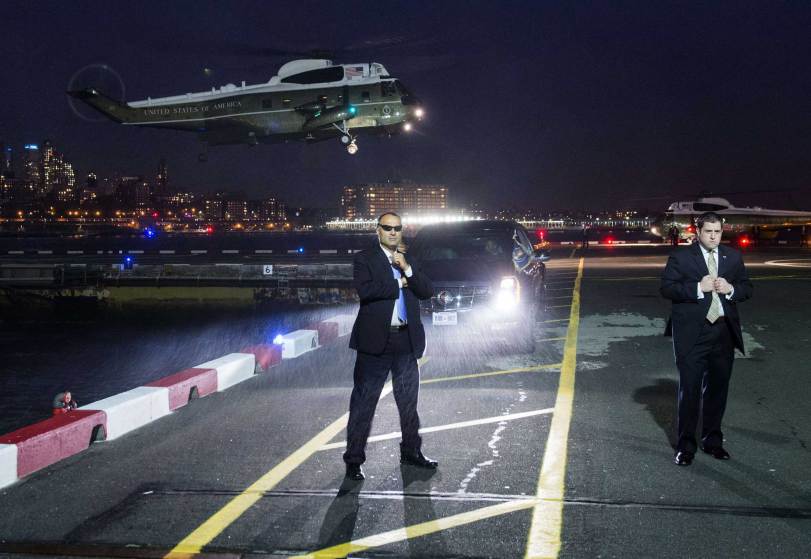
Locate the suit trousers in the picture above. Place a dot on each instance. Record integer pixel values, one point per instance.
(704, 374)
(370, 375)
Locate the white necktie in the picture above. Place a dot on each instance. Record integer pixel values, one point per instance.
(715, 305)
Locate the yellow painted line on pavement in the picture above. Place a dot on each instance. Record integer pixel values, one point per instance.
(547, 515)
(193, 544)
(417, 530)
(548, 367)
(449, 426)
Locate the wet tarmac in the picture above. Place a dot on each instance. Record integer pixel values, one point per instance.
(562, 452)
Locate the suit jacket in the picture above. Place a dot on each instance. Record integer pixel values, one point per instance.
(378, 291)
(684, 270)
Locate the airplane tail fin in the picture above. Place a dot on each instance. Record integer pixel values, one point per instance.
(112, 109)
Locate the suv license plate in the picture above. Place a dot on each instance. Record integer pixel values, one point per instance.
(445, 318)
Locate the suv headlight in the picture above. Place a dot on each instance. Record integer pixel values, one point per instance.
(508, 294)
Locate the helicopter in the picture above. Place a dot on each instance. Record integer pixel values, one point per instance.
(740, 221)
(308, 99)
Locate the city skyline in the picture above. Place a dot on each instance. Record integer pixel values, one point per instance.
(545, 105)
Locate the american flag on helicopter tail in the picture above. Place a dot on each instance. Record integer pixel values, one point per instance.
(353, 71)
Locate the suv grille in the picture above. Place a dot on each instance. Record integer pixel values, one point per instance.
(456, 298)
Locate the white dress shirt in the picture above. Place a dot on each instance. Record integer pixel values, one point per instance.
(706, 254)
(395, 320)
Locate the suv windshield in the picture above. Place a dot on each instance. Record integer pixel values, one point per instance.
(462, 247)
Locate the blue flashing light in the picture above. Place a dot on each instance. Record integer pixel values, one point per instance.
(149, 233)
(128, 262)
(301, 250)
(31, 146)
(352, 109)
(128, 258)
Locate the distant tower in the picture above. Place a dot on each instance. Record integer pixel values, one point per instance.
(32, 172)
(6, 161)
(162, 180)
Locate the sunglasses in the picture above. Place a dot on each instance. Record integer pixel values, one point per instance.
(397, 228)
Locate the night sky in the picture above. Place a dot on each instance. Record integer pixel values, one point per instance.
(533, 104)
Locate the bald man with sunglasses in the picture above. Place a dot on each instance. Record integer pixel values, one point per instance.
(388, 336)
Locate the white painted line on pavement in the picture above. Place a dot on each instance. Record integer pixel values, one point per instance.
(449, 426)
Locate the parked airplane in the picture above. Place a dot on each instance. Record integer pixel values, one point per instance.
(746, 223)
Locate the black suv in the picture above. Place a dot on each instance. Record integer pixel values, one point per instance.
(487, 278)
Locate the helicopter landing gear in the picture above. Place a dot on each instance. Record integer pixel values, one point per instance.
(347, 138)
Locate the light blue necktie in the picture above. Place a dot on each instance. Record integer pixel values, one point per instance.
(401, 308)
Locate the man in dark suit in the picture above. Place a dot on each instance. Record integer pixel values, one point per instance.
(705, 281)
(388, 336)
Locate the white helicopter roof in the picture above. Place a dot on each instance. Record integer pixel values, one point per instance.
(366, 72)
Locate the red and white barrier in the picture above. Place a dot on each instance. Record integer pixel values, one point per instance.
(266, 355)
(42, 444)
(231, 369)
(8, 464)
(180, 385)
(132, 409)
(49, 441)
(344, 322)
(298, 343)
(327, 331)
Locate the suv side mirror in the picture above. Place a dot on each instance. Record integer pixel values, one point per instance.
(542, 255)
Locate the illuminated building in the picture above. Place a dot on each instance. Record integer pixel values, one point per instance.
(90, 191)
(6, 161)
(367, 201)
(32, 173)
(235, 209)
(133, 192)
(272, 209)
(57, 175)
(214, 208)
(162, 180)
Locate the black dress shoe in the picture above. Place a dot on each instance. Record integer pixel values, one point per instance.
(716, 452)
(683, 458)
(419, 460)
(354, 472)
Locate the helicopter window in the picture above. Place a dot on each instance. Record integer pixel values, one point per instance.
(321, 75)
(365, 96)
(704, 207)
(286, 102)
(387, 89)
(267, 103)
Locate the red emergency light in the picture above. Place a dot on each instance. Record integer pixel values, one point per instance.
(209, 229)
(744, 241)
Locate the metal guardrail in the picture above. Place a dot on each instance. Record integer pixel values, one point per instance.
(60, 276)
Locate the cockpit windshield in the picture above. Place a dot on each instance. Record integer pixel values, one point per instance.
(401, 88)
